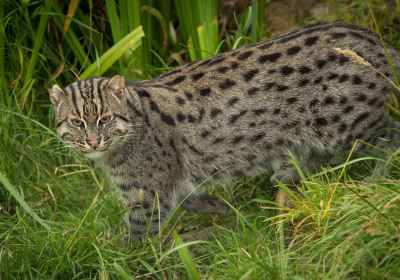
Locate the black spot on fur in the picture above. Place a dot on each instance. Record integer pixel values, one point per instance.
(357, 80)
(218, 140)
(143, 93)
(277, 111)
(321, 121)
(291, 100)
(286, 70)
(248, 76)
(335, 118)
(311, 40)
(343, 78)
(332, 57)
(234, 118)
(318, 80)
(233, 101)
(304, 82)
(245, 55)
(215, 112)
(304, 69)
(158, 142)
(237, 139)
(188, 95)
(281, 87)
(359, 119)
(293, 50)
(348, 109)
(205, 91)
(176, 81)
(337, 35)
(269, 85)
(342, 127)
(324, 87)
(222, 69)
(191, 119)
(180, 100)
(329, 100)
(372, 101)
(234, 65)
(273, 57)
(372, 85)
(197, 76)
(343, 100)
(181, 117)
(260, 111)
(313, 103)
(167, 119)
(216, 60)
(226, 84)
(321, 63)
(252, 91)
(361, 97)
(205, 133)
(266, 45)
(343, 60)
(332, 76)
(258, 136)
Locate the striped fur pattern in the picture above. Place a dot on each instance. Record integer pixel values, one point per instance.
(236, 114)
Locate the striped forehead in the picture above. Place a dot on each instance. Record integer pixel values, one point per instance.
(86, 97)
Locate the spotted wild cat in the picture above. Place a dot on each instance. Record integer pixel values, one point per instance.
(235, 114)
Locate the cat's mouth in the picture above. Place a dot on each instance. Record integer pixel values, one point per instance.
(93, 152)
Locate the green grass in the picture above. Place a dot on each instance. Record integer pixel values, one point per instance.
(59, 219)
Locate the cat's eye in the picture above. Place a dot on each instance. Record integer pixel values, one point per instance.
(77, 122)
(105, 120)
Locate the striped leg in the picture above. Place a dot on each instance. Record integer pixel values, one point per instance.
(146, 213)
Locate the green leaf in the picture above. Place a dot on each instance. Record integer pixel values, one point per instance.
(186, 257)
(129, 42)
(18, 197)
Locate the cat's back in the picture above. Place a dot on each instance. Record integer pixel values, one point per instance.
(292, 58)
(321, 86)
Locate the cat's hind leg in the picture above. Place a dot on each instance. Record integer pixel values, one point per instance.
(147, 210)
(205, 204)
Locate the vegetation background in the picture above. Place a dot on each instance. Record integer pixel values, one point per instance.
(60, 220)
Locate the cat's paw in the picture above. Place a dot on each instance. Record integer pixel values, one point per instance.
(206, 204)
(287, 175)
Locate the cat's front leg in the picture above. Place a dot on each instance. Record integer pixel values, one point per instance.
(147, 211)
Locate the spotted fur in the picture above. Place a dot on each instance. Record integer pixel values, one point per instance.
(237, 113)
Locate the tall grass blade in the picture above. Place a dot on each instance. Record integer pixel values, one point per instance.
(70, 14)
(17, 196)
(186, 258)
(3, 80)
(71, 39)
(38, 40)
(122, 272)
(129, 42)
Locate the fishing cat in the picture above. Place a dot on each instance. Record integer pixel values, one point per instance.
(238, 113)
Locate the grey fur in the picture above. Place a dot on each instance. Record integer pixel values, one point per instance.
(237, 113)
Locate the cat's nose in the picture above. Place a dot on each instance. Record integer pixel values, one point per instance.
(93, 143)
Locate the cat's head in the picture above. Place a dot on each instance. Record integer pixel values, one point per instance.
(91, 114)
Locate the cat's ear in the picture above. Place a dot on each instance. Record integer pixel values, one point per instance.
(116, 85)
(56, 95)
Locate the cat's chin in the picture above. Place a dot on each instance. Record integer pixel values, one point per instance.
(94, 154)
